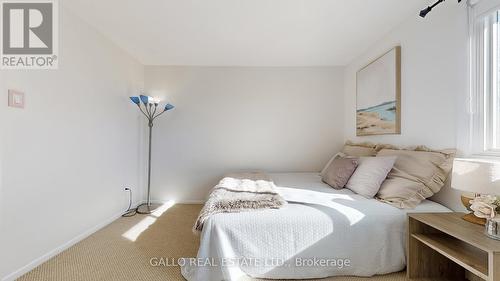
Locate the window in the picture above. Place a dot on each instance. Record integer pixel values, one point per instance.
(485, 80)
(490, 88)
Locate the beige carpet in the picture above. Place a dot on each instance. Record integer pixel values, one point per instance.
(112, 253)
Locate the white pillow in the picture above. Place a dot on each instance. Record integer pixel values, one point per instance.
(370, 174)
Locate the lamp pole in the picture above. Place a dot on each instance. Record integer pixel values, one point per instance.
(150, 111)
(149, 161)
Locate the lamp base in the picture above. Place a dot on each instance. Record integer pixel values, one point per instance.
(466, 201)
(473, 219)
(147, 209)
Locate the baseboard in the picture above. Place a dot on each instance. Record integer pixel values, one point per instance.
(198, 202)
(38, 261)
(178, 202)
(190, 202)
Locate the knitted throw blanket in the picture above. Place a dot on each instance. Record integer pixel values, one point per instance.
(240, 193)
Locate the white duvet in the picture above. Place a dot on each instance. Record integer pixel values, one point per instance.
(322, 232)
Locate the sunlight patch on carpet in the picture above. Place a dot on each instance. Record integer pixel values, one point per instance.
(163, 208)
(135, 231)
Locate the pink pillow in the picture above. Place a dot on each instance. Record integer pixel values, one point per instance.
(339, 171)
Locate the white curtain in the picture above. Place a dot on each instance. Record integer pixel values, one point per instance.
(479, 27)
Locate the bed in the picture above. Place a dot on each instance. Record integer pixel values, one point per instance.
(322, 232)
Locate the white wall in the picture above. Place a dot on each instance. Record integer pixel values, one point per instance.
(66, 157)
(242, 118)
(434, 82)
(434, 75)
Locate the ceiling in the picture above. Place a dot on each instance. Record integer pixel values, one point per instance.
(245, 32)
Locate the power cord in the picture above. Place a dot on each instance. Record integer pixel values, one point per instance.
(130, 212)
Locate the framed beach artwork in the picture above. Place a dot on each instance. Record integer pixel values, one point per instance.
(378, 96)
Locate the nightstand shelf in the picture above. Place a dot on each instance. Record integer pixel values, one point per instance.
(470, 258)
(442, 245)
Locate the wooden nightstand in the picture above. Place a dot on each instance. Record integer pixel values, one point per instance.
(443, 246)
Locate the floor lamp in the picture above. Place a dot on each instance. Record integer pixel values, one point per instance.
(149, 107)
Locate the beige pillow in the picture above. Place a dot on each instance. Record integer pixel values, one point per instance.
(417, 174)
(364, 149)
(339, 171)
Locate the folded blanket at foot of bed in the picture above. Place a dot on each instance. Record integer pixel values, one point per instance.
(239, 193)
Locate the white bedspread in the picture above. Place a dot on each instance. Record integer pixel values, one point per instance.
(322, 232)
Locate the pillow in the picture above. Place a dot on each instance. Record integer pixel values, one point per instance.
(418, 174)
(360, 149)
(336, 156)
(370, 174)
(339, 171)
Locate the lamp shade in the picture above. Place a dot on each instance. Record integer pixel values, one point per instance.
(135, 100)
(480, 176)
(169, 106)
(144, 99)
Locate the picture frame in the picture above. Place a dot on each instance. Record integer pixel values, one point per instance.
(378, 95)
